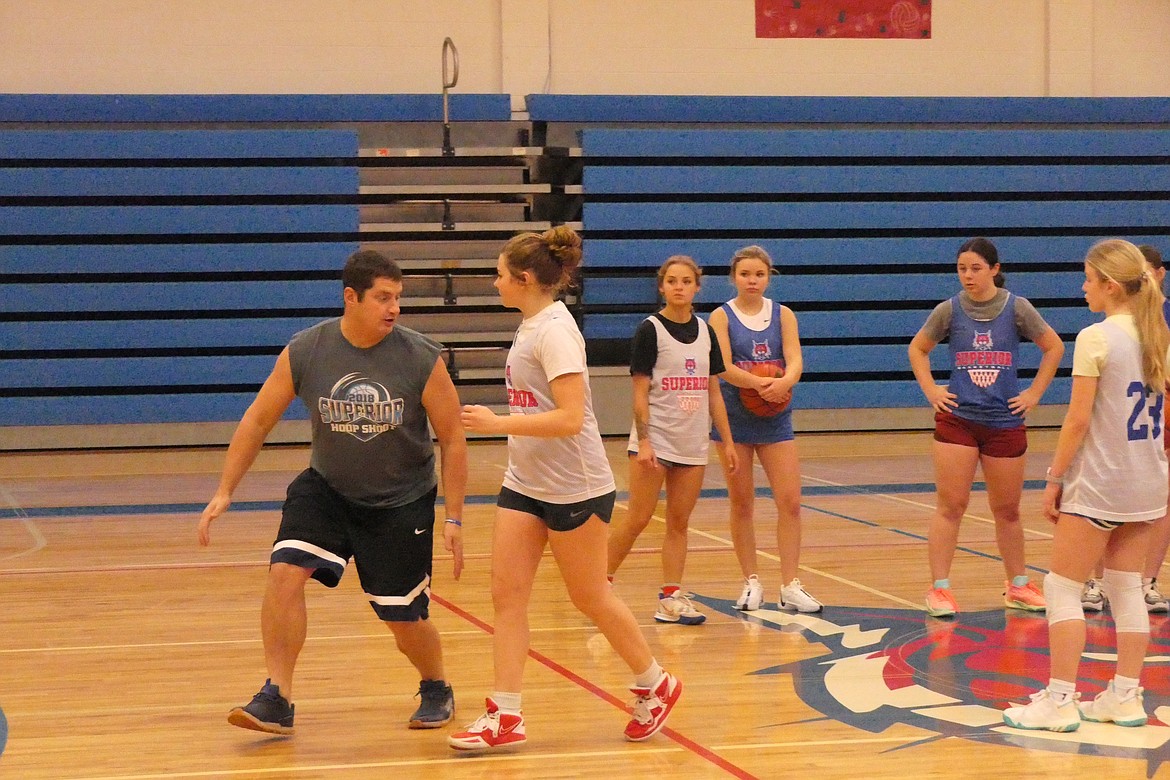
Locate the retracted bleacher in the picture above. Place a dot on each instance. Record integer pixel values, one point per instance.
(157, 254)
(864, 224)
(152, 276)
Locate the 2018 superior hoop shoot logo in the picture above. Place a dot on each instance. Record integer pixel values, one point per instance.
(954, 678)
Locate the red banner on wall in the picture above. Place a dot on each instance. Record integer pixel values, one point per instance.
(842, 18)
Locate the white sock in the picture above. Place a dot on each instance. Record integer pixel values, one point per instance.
(1125, 685)
(1061, 691)
(647, 678)
(507, 702)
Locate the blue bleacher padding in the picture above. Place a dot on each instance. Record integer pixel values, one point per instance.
(845, 253)
(189, 258)
(172, 220)
(837, 287)
(154, 334)
(220, 370)
(169, 296)
(254, 108)
(899, 324)
(228, 407)
(134, 372)
(140, 182)
(752, 109)
(123, 409)
(903, 324)
(876, 394)
(812, 144)
(878, 358)
(173, 144)
(974, 216)
(744, 179)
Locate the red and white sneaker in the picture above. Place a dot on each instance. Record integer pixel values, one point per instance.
(493, 729)
(651, 706)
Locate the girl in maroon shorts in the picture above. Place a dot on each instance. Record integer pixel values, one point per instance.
(979, 416)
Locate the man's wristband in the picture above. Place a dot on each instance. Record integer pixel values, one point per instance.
(1052, 478)
(454, 521)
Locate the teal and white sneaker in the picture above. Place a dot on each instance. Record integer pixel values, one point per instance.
(1043, 713)
(1109, 707)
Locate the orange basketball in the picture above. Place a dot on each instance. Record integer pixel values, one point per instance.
(753, 402)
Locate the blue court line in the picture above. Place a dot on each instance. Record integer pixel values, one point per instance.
(8, 513)
(862, 490)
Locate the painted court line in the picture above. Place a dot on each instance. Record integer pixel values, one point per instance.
(686, 742)
(864, 491)
(53, 649)
(38, 539)
(296, 770)
(512, 758)
(773, 557)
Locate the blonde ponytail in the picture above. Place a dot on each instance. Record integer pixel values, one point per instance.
(1123, 263)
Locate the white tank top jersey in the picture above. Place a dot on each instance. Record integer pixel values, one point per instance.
(1119, 473)
(559, 470)
(680, 412)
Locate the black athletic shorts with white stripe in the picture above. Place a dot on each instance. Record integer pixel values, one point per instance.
(392, 547)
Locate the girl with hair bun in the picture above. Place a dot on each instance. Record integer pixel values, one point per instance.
(1107, 485)
(558, 491)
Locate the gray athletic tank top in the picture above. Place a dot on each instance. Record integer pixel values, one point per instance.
(371, 440)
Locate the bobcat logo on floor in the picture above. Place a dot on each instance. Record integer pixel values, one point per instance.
(954, 678)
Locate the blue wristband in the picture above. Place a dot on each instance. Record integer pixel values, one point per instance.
(453, 521)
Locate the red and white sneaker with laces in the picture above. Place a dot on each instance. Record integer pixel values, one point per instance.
(651, 706)
(493, 729)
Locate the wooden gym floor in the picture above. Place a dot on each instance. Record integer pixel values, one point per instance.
(123, 644)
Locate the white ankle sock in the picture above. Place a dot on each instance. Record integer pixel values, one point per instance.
(647, 678)
(1061, 691)
(507, 702)
(1124, 685)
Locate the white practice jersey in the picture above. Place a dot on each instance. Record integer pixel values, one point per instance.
(559, 470)
(1119, 473)
(680, 412)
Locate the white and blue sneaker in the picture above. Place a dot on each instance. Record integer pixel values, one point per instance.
(678, 608)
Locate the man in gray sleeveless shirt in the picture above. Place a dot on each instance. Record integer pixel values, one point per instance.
(371, 387)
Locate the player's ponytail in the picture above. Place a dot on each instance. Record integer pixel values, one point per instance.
(1121, 262)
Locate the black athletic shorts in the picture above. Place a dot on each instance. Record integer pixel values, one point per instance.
(559, 517)
(392, 547)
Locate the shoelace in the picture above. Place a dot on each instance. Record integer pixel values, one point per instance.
(1044, 693)
(642, 707)
(684, 601)
(267, 695)
(489, 721)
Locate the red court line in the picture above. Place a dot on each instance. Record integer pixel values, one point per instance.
(572, 676)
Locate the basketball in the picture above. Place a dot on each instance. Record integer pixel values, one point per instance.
(753, 402)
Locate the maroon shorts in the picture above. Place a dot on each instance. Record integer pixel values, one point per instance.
(992, 442)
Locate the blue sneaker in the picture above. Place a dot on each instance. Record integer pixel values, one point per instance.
(437, 706)
(268, 712)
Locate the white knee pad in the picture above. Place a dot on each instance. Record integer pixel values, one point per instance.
(1064, 599)
(1126, 602)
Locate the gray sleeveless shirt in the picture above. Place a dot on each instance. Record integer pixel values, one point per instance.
(371, 441)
